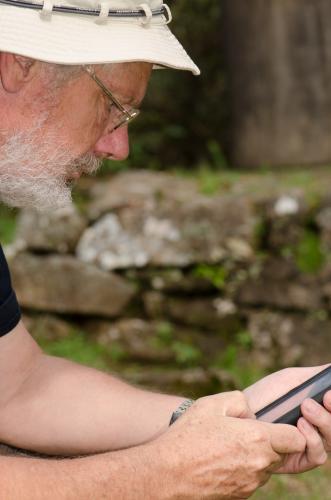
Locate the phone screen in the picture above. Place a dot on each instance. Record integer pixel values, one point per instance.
(313, 388)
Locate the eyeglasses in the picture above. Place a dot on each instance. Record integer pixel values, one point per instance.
(119, 115)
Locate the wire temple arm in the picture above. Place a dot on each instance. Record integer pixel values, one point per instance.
(161, 11)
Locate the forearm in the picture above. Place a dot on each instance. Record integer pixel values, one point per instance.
(67, 409)
(123, 475)
(53, 406)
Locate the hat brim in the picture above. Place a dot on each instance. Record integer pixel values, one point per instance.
(78, 39)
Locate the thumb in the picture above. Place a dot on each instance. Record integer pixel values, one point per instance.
(285, 438)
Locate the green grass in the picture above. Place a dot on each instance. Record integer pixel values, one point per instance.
(313, 485)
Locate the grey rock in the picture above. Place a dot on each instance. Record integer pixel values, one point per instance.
(323, 220)
(286, 205)
(58, 231)
(136, 338)
(62, 284)
(171, 280)
(109, 245)
(176, 227)
(281, 340)
(48, 327)
(207, 313)
(279, 285)
(156, 341)
(274, 342)
(140, 190)
(285, 216)
(193, 382)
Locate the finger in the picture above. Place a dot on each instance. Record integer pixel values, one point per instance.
(285, 438)
(327, 401)
(315, 452)
(319, 417)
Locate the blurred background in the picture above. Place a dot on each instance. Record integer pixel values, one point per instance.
(202, 262)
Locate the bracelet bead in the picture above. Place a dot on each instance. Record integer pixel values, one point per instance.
(180, 410)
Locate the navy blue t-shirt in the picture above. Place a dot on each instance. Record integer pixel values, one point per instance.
(10, 313)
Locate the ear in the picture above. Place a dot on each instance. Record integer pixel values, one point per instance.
(15, 71)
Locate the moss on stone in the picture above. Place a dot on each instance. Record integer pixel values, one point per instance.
(217, 275)
(309, 255)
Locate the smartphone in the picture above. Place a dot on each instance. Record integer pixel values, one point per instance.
(286, 409)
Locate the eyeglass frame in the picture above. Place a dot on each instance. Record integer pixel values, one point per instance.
(128, 114)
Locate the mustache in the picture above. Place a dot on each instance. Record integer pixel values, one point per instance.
(87, 164)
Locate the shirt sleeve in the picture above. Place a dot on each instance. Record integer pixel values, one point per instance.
(10, 313)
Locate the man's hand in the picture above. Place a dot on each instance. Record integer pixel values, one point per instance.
(206, 454)
(316, 424)
(214, 454)
(320, 418)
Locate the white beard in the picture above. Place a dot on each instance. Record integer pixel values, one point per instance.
(36, 173)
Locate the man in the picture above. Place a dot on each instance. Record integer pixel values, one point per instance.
(72, 78)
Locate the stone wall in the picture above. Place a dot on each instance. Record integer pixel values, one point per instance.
(180, 290)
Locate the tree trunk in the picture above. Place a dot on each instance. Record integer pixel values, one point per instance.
(279, 61)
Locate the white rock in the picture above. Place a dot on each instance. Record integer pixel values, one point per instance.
(286, 205)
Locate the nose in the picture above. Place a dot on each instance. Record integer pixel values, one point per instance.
(114, 145)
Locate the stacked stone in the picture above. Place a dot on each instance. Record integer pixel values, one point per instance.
(181, 288)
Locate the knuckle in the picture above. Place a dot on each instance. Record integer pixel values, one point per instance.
(261, 463)
(321, 460)
(258, 434)
(240, 398)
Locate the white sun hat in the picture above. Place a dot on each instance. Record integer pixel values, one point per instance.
(92, 32)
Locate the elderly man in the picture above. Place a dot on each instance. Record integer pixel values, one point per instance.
(73, 76)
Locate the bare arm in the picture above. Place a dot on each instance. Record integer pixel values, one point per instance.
(206, 454)
(120, 475)
(54, 406)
